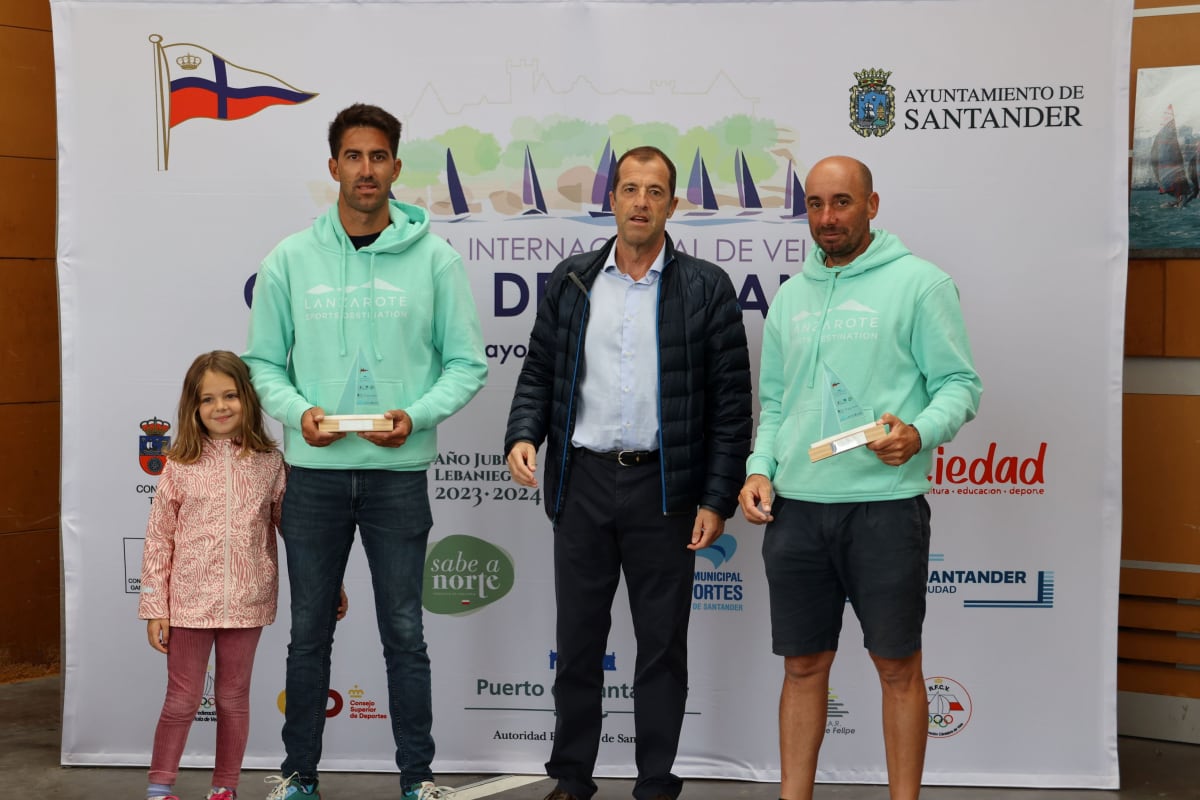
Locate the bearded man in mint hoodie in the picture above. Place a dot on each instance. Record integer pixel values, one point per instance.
(866, 333)
(365, 312)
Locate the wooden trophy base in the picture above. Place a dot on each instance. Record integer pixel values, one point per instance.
(846, 440)
(344, 423)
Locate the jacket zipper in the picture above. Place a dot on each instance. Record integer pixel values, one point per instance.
(228, 503)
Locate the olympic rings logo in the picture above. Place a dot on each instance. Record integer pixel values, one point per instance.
(941, 720)
(208, 702)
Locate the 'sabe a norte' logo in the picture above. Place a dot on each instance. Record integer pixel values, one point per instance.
(464, 574)
(152, 445)
(872, 103)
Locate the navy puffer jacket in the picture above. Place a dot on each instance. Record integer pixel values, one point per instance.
(704, 381)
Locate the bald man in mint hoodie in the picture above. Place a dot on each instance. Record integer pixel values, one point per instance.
(366, 312)
(866, 333)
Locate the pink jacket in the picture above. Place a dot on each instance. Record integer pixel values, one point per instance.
(211, 559)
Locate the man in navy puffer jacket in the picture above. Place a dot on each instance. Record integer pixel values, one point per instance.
(638, 380)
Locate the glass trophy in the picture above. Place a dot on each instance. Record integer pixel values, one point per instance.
(847, 423)
(357, 409)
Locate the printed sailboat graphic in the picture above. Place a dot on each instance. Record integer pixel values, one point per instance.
(747, 194)
(947, 704)
(602, 185)
(458, 198)
(531, 190)
(793, 195)
(700, 191)
(1174, 169)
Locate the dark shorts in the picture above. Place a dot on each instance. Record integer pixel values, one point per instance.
(819, 555)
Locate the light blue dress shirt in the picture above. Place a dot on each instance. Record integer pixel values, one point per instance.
(618, 408)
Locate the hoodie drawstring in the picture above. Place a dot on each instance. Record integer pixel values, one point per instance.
(815, 362)
(371, 323)
(342, 322)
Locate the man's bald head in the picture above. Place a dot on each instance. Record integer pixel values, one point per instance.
(841, 203)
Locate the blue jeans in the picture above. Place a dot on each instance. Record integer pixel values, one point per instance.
(321, 510)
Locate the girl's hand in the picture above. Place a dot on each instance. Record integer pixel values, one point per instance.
(158, 631)
(343, 604)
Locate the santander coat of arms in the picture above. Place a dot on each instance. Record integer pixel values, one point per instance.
(872, 103)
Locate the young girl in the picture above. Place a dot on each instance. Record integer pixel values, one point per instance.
(209, 569)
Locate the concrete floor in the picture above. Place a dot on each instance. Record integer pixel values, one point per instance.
(30, 722)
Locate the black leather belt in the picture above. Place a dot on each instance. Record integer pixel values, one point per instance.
(625, 458)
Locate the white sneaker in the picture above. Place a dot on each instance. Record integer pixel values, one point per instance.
(428, 790)
(290, 787)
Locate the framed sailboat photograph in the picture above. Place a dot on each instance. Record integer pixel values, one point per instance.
(1164, 212)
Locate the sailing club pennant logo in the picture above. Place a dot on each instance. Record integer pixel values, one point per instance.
(872, 103)
(193, 82)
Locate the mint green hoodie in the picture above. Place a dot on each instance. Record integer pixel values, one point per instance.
(390, 326)
(844, 345)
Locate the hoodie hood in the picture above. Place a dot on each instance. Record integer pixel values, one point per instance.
(409, 224)
(884, 249)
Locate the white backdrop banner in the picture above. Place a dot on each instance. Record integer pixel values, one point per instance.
(192, 138)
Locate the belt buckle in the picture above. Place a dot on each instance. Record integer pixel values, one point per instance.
(621, 458)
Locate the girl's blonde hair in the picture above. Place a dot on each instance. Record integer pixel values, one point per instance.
(190, 435)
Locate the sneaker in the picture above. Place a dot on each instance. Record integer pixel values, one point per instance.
(427, 790)
(291, 787)
(223, 793)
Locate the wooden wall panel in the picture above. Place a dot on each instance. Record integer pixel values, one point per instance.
(25, 13)
(1161, 508)
(1155, 614)
(29, 361)
(27, 207)
(29, 626)
(30, 412)
(27, 93)
(1163, 646)
(1160, 583)
(1151, 678)
(1144, 304)
(29, 480)
(1182, 296)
